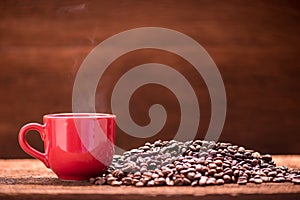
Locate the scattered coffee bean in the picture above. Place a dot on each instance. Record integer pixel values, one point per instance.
(92, 180)
(99, 181)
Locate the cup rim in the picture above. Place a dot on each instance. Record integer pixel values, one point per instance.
(79, 115)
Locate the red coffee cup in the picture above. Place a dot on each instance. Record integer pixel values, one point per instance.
(77, 145)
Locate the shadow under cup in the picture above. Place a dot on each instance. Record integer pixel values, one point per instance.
(77, 145)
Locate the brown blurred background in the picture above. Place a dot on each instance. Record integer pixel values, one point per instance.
(254, 43)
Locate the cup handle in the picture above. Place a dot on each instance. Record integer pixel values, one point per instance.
(27, 148)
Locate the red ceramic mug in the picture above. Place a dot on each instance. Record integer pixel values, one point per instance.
(77, 145)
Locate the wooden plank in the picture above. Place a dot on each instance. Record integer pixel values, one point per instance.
(30, 179)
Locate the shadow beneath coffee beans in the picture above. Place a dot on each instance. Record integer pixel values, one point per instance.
(41, 181)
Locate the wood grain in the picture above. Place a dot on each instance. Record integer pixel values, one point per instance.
(30, 179)
(255, 44)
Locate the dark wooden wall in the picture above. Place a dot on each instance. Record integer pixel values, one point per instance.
(255, 44)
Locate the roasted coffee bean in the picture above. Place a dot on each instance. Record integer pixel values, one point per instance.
(228, 172)
(242, 181)
(220, 182)
(218, 163)
(265, 179)
(150, 183)
(193, 163)
(139, 184)
(211, 181)
(194, 183)
(197, 176)
(110, 180)
(118, 173)
(159, 181)
(227, 178)
(212, 172)
(92, 180)
(186, 181)
(127, 180)
(191, 175)
(241, 150)
(100, 181)
(296, 180)
(258, 180)
(266, 157)
(212, 165)
(169, 181)
(219, 175)
(116, 183)
(203, 180)
(278, 179)
(178, 181)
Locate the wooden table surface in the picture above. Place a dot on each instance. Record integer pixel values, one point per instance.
(30, 179)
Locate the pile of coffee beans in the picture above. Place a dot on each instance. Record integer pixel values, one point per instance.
(194, 163)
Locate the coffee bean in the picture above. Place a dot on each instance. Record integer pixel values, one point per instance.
(212, 165)
(169, 181)
(92, 180)
(278, 179)
(238, 155)
(220, 182)
(265, 179)
(100, 181)
(258, 180)
(219, 163)
(139, 184)
(127, 180)
(296, 180)
(159, 181)
(211, 181)
(254, 162)
(266, 157)
(242, 181)
(241, 150)
(203, 180)
(178, 181)
(194, 183)
(227, 178)
(256, 155)
(219, 175)
(251, 180)
(150, 183)
(116, 183)
(154, 175)
(110, 180)
(186, 181)
(197, 176)
(236, 172)
(228, 172)
(118, 173)
(191, 175)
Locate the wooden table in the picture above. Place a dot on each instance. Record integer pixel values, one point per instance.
(30, 179)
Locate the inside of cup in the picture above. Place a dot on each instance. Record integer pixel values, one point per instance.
(79, 115)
